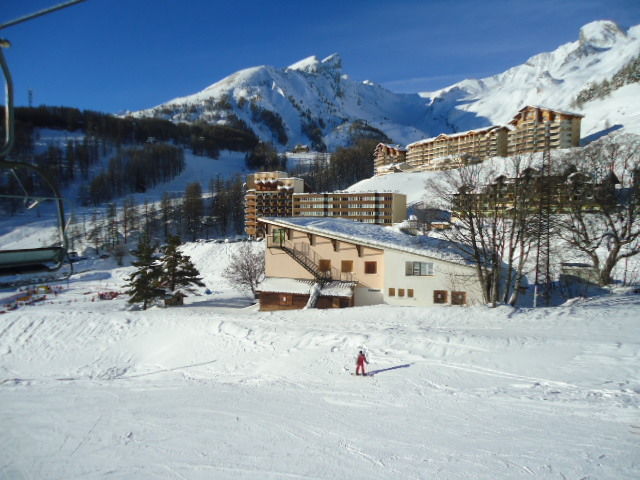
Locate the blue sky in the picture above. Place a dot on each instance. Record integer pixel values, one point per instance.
(112, 55)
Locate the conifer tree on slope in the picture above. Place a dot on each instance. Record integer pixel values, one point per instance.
(143, 283)
(176, 270)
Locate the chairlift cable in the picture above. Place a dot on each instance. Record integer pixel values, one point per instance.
(39, 13)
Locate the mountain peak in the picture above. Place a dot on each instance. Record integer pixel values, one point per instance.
(601, 34)
(313, 65)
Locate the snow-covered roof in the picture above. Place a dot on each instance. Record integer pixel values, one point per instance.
(304, 287)
(459, 134)
(556, 110)
(374, 236)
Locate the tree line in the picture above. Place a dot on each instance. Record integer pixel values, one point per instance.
(202, 138)
(134, 170)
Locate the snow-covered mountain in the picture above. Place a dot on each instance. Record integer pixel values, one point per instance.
(310, 102)
(552, 79)
(313, 102)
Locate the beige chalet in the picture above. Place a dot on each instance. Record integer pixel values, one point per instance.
(335, 263)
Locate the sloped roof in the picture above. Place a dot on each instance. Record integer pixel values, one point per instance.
(374, 236)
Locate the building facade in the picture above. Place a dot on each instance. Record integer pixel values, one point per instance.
(386, 155)
(354, 264)
(530, 130)
(269, 194)
(274, 194)
(367, 207)
(457, 149)
(533, 126)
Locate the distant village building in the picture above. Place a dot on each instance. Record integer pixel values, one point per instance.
(562, 190)
(532, 125)
(274, 194)
(336, 263)
(457, 149)
(529, 131)
(388, 155)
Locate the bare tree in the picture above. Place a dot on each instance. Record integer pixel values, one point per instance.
(246, 268)
(492, 227)
(602, 220)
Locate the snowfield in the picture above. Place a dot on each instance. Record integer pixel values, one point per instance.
(216, 389)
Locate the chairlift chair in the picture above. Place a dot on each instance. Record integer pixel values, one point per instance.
(28, 260)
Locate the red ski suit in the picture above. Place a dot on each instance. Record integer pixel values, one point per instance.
(360, 363)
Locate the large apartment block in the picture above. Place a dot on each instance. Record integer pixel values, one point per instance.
(457, 149)
(274, 194)
(530, 130)
(533, 126)
(367, 207)
(269, 194)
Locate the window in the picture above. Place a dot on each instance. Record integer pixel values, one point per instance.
(285, 299)
(401, 292)
(392, 292)
(458, 298)
(325, 265)
(418, 268)
(439, 296)
(346, 266)
(410, 293)
(370, 267)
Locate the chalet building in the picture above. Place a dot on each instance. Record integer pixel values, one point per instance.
(273, 194)
(529, 131)
(337, 263)
(533, 124)
(457, 149)
(366, 207)
(388, 158)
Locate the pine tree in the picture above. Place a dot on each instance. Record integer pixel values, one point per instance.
(143, 283)
(177, 270)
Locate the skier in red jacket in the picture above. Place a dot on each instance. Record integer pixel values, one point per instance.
(362, 359)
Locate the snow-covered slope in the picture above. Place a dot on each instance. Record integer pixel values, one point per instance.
(551, 79)
(313, 102)
(91, 390)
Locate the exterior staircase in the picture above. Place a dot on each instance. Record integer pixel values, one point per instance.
(308, 264)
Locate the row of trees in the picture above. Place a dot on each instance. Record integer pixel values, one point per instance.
(191, 214)
(200, 137)
(348, 165)
(599, 219)
(134, 170)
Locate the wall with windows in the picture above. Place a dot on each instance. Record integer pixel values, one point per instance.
(415, 280)
(345, 261)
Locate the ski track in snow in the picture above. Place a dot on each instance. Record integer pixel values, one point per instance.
(91, 389)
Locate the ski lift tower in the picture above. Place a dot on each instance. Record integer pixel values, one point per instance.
(543, 282)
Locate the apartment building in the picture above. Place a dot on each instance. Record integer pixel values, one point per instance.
(269, 194)
(336, 263)
(562, 192)
(384, 156)
(274, 194)
(529, 131)
(457, 149)
(367, 207)
(533, 125)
